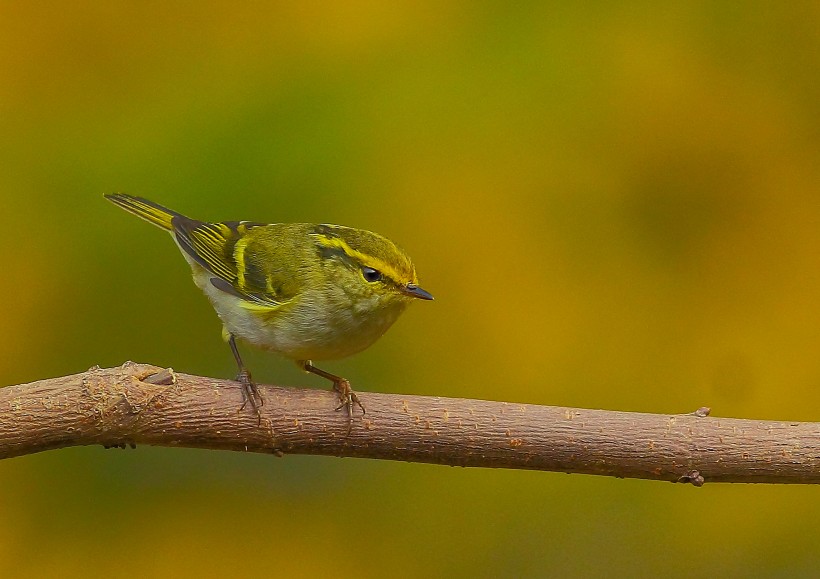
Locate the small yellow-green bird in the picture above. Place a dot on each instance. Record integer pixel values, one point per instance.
(309, 292)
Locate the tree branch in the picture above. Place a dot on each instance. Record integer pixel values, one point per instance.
(142, 404)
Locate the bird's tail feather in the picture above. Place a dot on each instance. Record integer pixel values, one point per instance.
(148, 210)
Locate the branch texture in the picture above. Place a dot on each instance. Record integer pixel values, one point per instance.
(142, 404)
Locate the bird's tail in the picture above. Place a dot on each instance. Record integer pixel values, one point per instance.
(148, 210)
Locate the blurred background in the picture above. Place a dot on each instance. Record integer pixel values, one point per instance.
(616, 206)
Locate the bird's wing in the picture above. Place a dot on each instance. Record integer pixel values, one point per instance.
(220, 248)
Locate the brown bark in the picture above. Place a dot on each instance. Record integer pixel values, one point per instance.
(142, 404)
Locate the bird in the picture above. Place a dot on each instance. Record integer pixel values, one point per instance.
(305, 291)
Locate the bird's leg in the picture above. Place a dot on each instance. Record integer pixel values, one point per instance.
(347, 397)
(250, 393)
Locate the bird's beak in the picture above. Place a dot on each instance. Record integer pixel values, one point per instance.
(415, 291)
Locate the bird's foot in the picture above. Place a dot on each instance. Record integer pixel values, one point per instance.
(347, 397)
(250, 393)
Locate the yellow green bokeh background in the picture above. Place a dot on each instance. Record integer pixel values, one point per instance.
(616, 205)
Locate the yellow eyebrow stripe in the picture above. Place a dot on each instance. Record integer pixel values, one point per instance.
(362, 258)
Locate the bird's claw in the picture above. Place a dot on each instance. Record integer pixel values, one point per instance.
(347, 397)
(250, 393)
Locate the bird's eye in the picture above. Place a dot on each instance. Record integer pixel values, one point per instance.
(371, 274)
